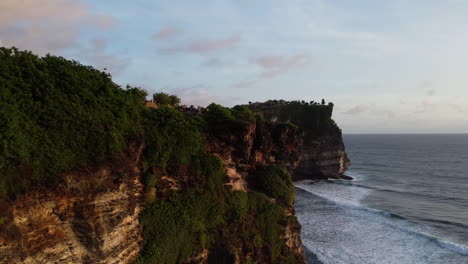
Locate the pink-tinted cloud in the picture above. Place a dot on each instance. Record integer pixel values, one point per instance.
(207, 46)
(166, 33)
(103, 22)
(273, 66)
(47, 26)
(276, 65)
(40, 38)
(13, 11)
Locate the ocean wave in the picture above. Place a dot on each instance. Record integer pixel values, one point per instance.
(341, 197)
(361, 177)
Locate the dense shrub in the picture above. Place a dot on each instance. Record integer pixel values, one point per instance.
(176, 227)
(170, 136)
(242, 112)
(315, 119)
(164, 99)
(275, 181)
(216, 114)
(57, 114)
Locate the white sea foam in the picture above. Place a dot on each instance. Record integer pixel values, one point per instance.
(338, 228)
(342, 194)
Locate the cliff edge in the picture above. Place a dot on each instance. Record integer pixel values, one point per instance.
(324, 150)
(88, 174)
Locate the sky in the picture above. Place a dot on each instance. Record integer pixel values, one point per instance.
(389, 66)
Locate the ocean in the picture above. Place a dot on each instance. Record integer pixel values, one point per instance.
(408, 203)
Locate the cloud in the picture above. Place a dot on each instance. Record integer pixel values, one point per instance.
(48, 26)
(430, 92)
(197, 95)
(212, 62)
(103, 22)
(276, 65)
(206, 46)
(457, 108)
(40, 38)
(358, 109)
(425, 106)
(245, 84)
(166, 33)
(371, 109)
(13, 11)
(98, 56)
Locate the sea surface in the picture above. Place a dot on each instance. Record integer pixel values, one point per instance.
(408, 203)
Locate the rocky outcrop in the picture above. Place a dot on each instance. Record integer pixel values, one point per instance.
(324, 158)
(91, 217)
(324, 151)
(244, 146)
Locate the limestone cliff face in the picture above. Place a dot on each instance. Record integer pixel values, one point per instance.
(245, 146)
(92, 217)
(324, 151)
(324, 157)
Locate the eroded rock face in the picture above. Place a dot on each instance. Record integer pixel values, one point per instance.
(92, 217)
(245, 146)
(323, 158)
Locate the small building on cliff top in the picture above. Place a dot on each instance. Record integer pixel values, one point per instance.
(151, 104)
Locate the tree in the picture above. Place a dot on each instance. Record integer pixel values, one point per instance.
(166, 99)
(323, 101)
(174, 100)
(162, 98)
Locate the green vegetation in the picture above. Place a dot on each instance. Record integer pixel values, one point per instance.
(217, 114)
(188, 222)
(275, 181)
(170, 136)
(165, 99)
(58, 115)
(180, 225)
(314, 118)
(242, 112)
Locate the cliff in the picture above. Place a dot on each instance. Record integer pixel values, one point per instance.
(88, 174)
(244, 146)
(92, 216)
(324, 151)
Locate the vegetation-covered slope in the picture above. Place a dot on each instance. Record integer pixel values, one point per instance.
(57, 115)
